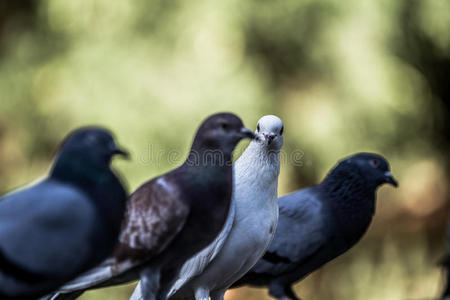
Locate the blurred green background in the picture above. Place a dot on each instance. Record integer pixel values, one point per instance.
(345, 76)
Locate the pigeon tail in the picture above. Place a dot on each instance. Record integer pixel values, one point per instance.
(93, 278)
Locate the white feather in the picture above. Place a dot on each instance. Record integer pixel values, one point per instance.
(106, 270)
(110, 268)
(236, 250)
(198, 263)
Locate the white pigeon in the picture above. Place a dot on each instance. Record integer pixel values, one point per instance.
(239, 246)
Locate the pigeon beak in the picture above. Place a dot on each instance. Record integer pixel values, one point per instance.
(269, 137)
(246, 133)
(390, 179)
(118, 151)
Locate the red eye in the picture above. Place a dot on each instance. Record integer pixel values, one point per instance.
(281, 131)
(374, 162)
(224, 126)
(257, 127)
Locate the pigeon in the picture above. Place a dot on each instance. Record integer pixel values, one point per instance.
(172, 217)
(256, 214)
(65, 224)
(319, 223)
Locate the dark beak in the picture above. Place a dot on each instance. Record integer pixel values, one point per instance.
(121, 152)
(388, 178)
(269, 137)
(246, 133)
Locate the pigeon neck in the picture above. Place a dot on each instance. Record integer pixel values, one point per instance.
(258, 166)
(76, 169)
(208, 158)
(351, 200)
(260, 156)
(346, 180)
(100, 184)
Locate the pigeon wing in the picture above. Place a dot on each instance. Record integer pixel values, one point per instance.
(200, 261)
(299, 233)
(47, 227)
(155, 214)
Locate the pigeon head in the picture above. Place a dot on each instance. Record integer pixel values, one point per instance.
(90, 147)
(374, 168)
(269, 132)
(221, 131)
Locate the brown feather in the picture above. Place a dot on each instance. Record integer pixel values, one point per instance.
(155, 214)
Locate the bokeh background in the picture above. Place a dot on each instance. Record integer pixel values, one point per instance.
(345, 76)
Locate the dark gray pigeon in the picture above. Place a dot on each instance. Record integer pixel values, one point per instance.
(319, 223)
(67, 223)
(172, 217)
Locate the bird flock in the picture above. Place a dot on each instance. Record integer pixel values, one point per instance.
(194, 232)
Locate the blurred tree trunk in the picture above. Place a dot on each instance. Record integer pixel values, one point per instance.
(15, 15)
(420, 51)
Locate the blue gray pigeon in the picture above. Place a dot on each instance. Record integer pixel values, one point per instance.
(172, 217)
(65, 224)
(253, 221)
(319, 223)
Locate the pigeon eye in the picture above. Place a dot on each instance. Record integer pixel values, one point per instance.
(281, 130)
(224, 126)
(374, 162)
(257, 127)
